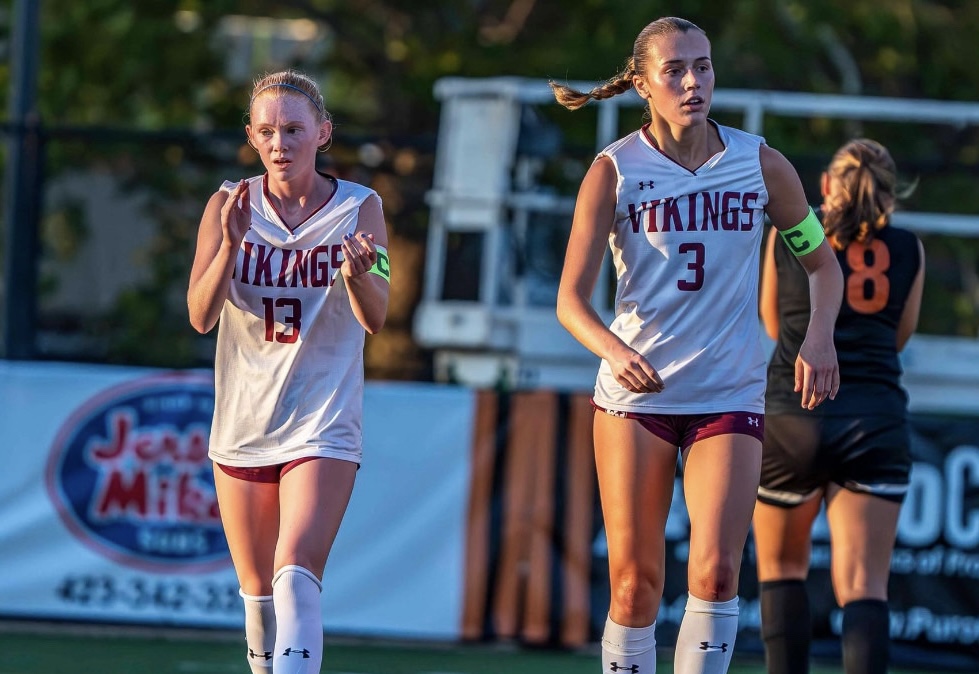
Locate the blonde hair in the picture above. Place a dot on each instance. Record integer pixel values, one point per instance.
(867, 192)
(635, 64)
(291, 83)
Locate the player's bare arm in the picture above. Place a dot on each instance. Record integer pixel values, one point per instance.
(369, 292)
(817, 373)
(768, 300)
(593, 217)
(912, 307)
(226, 219)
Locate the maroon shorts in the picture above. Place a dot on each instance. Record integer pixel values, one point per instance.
(271, 474)
(682, 430)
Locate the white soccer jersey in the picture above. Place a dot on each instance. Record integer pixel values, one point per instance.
(289, 375)
(686, 247)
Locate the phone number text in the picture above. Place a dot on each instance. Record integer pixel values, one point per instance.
(104, 591)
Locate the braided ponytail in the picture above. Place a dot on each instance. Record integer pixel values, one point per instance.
(573, 99)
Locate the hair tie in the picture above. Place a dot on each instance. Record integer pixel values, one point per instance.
(288, 86)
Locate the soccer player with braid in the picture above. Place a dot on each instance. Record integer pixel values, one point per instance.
(852, 453)
(681, 203)
(294, 264)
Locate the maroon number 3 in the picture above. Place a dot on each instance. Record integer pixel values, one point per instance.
(696, 266)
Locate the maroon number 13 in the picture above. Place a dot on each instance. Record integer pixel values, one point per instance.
(292, 319)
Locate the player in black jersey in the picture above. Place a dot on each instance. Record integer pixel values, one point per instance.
(851, 452)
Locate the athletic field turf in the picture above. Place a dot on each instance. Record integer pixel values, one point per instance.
(54, 649)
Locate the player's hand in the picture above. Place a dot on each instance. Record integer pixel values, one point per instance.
(359, 254)
(635, 373)
(236, 215)
(817, 372)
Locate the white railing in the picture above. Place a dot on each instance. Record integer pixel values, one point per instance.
(478, 190)
(756, 105)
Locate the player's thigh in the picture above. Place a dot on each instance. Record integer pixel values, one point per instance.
(783, 536)
(250, 517)
(312, 501)
(720, 484)
(862, 533)
(636, 470)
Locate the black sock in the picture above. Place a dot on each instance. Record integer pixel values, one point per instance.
(786, 626)
(866, 635)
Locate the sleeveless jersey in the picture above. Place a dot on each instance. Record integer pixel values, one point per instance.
(877, 282)
(685, 245)
(289, 374)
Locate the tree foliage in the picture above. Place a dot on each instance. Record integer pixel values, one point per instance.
(162, 64)
(153, 93)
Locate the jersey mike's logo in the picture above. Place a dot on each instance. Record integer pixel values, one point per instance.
(129, 474)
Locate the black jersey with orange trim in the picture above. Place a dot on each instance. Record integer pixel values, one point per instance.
(877, 281)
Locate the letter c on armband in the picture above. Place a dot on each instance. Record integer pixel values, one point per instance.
(804, 237)
(382, 267)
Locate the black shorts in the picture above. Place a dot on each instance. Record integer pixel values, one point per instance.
(802, 454)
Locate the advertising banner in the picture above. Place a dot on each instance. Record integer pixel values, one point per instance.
(475, 516)
(109, 511)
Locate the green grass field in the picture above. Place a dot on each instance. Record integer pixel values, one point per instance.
(51, 649)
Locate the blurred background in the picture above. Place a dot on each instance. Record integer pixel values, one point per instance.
(135, 111)
(119, 119)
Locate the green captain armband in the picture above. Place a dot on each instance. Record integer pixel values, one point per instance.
(804, 237)
(383, 265)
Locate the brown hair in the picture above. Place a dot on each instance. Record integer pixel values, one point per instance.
(868, 194)
(635, 65)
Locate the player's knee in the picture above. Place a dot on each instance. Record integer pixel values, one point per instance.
(634, 594)
(713, 580)
(849, 592)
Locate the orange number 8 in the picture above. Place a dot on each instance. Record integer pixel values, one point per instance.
(867, 288)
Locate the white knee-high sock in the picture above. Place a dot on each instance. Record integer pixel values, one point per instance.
(705, 642)
(259, 631)
(628, 650)
(299, 621)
